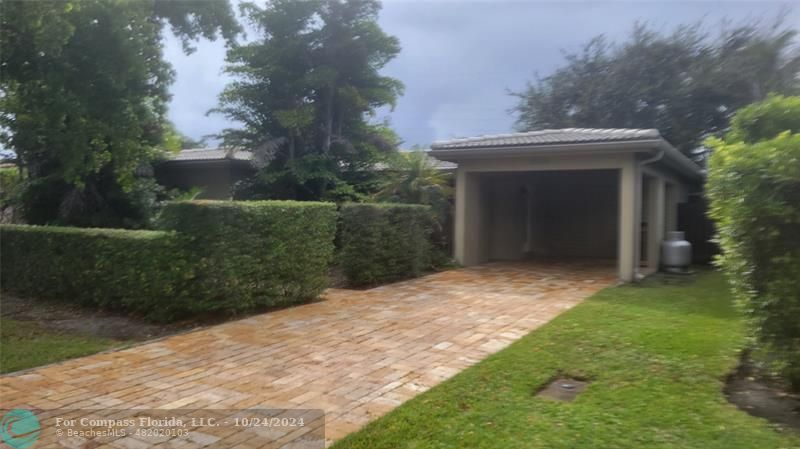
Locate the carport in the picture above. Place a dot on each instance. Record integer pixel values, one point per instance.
(560, 194)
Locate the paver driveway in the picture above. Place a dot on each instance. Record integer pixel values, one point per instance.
(357, 355)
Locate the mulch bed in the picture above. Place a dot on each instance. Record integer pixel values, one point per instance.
(763, 396)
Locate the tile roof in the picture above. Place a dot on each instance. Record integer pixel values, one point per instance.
(435, 163)
(549, 137)
(212, 154)
(442, 165)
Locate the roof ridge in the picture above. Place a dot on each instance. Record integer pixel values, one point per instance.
(551, 136)
(644, 132)
(206, 154)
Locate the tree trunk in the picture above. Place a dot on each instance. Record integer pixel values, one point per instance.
(291, 161)
(291, 145)
(339, 119)
(326, 141)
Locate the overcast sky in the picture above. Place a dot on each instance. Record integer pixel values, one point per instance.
(460, 59)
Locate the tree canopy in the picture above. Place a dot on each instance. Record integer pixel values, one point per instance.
(686, 83)
(85, 92)
(303, 94)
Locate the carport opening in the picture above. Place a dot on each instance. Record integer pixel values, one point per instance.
(550, 215)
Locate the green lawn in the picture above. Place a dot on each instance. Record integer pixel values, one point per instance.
(25, 345)
(656, 354)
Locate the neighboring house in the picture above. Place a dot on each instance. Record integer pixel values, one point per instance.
(568, 193)
(216, 170)
(213, 170)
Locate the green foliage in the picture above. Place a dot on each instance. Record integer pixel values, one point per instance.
(141, 271)
(412, 178)
(765, 120)
(9, 192)
(754, 192)
(101, 203)
(216, 257)
(254, 254)
(75, 72)
(686, 84)
(9, 179)
(303, 93)
(384, 242)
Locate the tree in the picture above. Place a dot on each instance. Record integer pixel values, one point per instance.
(687, 83)
(413, 178)
(754, 191)
(303, 94)
(85, 92)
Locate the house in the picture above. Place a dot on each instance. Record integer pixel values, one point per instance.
(217, 170)
(568, 193)
(214, 170)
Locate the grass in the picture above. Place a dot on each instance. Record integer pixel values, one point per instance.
(656, 354)
(26, 345)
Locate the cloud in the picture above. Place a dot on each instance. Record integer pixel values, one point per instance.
(199, 79)
(459, 59)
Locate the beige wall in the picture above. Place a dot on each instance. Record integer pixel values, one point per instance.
(469, 219)
(629, 240)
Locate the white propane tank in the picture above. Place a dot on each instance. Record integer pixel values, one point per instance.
(676, 253)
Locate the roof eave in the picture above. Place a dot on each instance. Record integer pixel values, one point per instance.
(680, 162)
(477, 152)
(205, 161)
(675, 157)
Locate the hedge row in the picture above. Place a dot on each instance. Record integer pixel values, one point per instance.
(250, 254)
(209, 257)
(215, 256)
(384, 242)
(142, 271)
(755, 201)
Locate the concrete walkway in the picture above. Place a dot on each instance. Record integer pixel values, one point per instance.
(356, 355)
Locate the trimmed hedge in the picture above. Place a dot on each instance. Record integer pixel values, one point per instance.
(384, 242)
(211, 257)
(142, 271)
(251, 254)
(755, 201)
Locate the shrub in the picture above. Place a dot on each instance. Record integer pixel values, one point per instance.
(765, 120)
(141, 271)
(384, 242)
(212, 257)
(10, 181)
(250, 254)
(754, 191)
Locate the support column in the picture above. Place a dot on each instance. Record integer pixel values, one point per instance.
(629, 226)
(460, 216)
(656, 209)
(466, 241)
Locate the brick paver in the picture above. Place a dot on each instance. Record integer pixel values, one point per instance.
(357, 354)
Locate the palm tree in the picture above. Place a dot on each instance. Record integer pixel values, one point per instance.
(412, 177)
